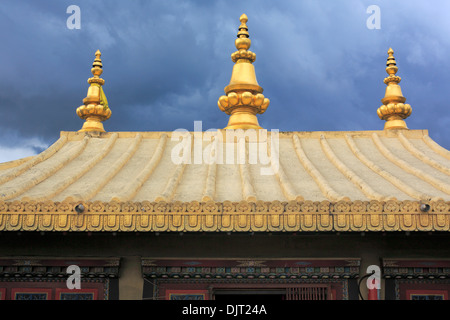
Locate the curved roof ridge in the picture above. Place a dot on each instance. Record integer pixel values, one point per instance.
(44, 155)
(421, 156)
(352, 176)
(96, 185)
(436, 147)
(130, 190)
(402, 186)
(437, 183)
(44, 174)
(326, 189)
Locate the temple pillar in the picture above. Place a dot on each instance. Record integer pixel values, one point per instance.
(368, 259)
(131, 282)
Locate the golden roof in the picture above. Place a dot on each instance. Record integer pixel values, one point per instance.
(394, 179)
(132, 175)
(316, 166)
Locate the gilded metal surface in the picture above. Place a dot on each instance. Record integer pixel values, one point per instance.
(243, 216)
(244, 98)
(95, 109)
(394, 109)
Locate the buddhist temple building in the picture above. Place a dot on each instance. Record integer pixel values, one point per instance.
(240, 213)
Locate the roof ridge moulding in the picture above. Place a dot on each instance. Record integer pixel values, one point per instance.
(414, 134)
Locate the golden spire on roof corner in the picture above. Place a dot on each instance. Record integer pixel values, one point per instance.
(95, 109)
(244, 98)
(394, 110)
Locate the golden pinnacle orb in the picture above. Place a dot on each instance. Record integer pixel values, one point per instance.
(95, 109)
(244, 98)
(394, 110)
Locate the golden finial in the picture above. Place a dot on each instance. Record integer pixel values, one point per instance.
(97, 65)
(391, 65)
(244, 98)
(243, 33)
(243, 19)
(95, 109)
(394, 110)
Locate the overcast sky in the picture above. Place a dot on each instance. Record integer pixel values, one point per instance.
(166, 63)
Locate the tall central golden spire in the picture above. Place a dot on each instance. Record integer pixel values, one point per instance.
(244, 98)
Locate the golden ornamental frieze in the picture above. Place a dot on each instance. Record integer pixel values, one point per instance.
(227, 216)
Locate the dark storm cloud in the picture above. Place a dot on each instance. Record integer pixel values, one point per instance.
(166, 64)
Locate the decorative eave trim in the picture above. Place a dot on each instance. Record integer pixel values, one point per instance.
(288, 274)
(227, 216)
(40, 267)
(416, 269)
(251, 269)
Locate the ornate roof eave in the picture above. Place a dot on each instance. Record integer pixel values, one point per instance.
(412, 268)
(227, 216)
(241, 269)
(56, 267)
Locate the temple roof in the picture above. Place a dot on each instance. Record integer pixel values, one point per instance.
(241, 178)
(316, 166)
